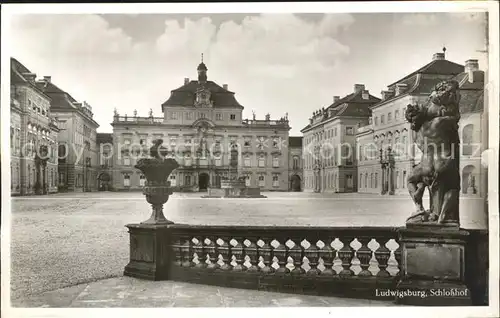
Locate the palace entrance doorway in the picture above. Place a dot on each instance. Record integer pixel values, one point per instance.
(203, 181)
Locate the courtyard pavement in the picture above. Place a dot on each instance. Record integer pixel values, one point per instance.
(136, 293)
(65, 240)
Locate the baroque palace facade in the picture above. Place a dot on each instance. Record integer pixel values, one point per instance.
(33, 135)
(385, 144)
(203, 129)
(330, 142)
(52, 137)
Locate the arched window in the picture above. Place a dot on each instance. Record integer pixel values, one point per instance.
(376, 180)
(371, 180)
(366, 180)
(295, 162)
(467, 134)
(361, 180)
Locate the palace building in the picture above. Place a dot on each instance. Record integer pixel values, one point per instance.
(77, 163)
(203, 129)
(386, 155)
(33, 135)
(330, 143)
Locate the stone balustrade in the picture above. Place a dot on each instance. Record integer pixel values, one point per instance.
(288, 259)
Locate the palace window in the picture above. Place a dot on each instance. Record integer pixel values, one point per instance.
(349, 181)
(233, 117)
(218, 116)
(404, 180)
(276, 180)
(349, 131)
(396, 114)
(187, 160)
(173, 115)
(187, 180)
(389, 117)
(335, 132)
(142, 180)
(172, 181)
(382, 119)
(261, 162)
(189, 115)
(276, 162)
(126, 161)
(126, 180)
(247, 180)
(202, 115)
(247, 161)
(262, 181)
(295, 162)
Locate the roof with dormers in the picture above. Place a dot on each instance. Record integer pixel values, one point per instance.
(352, 105)
(186, 95)
(418, 84)
(471, 93)
(17, 69)
(61, 100)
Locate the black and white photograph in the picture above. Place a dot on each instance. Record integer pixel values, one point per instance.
(321, 156)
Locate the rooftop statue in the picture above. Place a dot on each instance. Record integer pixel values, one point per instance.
(435, 131)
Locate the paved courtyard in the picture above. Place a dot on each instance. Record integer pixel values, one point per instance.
(68, 239)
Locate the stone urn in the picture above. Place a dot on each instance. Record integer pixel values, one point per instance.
(157, 187)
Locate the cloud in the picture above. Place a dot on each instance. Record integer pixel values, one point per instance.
(266, 59)
(420, 19)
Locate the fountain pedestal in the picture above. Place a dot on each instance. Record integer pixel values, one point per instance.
(235, 188)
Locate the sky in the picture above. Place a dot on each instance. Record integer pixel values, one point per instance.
(275, 63)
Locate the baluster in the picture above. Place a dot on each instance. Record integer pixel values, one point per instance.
(186, 252)
(312, 254)
(251, 252)
(327, 254)
(199, 250)
(177, 248)
(346, 253)
(238, 255)
(296, 253)
(266, 252)
(225, 251)
(397, 256)
(364, 255)
(213, 254)
(280, 253)
(382, 254)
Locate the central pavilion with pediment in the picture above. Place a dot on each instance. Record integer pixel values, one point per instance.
(203, 129)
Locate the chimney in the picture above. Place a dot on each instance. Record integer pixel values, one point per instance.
(470, 67)
(366, 94)
(224, 86)
(186, 80)
(47, 79)
(336, 99)
(438, 56)
(310, 121)
(358, 88)
(400, 88)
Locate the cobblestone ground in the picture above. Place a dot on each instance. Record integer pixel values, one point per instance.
(67, 239)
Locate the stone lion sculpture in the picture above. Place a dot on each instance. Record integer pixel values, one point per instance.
(435, 131)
